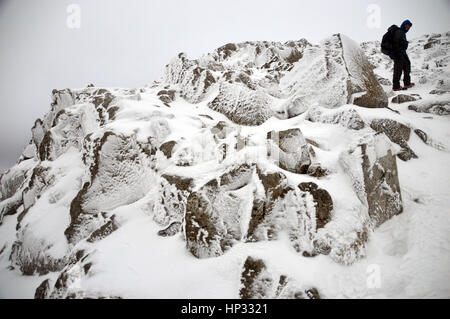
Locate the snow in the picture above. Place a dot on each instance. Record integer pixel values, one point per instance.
(410, 251)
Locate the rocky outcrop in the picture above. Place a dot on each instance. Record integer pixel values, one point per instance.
(167, 148)
(166, 96)
(119, 174)
(323, 201)
(170, 205)
(171, 230)
(335, 74)
(258, 282)
(402, 98)
(193, 80)
(247, 204)
(214, 213)
(347, 118)
(242, 105)
(43, 290)
(32, 259)
(109, 227)
(438, 107)
(397, 133)
(279, 206)
(373, 170)
(289, 150)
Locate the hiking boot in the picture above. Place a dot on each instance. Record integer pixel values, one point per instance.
(399, 89)
(409, 86)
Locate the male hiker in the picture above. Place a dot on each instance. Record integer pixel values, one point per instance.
(394, 44)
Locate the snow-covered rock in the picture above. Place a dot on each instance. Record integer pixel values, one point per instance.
(259, 282)
(289, 150)
(256, 149)
(372, 167)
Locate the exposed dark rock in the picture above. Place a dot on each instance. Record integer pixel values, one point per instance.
(173, 193)
(316, 170)
(103, 231)
(439, 92)
(257, 282)
(378, 186)
(422, 135)
(31, 263)
(171, 230)
(432, 43)
(167, 148)
(402, 98)
(45, 148)
(117, 164)
(226, 50)
(43, 291)
(323, 200)
(252, 285)
(295, 56)
(275, 188)
(181, 183)
(166, 96)
(397, 133)
(212, 213)
(437, 107)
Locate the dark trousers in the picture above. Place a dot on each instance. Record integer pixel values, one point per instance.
(401, 65)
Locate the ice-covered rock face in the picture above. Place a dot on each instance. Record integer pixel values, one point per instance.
(252, 81)
(120, 174)
(290, 150)
(373, 169)
(246, 204)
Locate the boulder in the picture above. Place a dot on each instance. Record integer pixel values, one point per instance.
(43, 290)
(323, 201)
(334, 74)
(371, 165)
(242, 105)
(119, 174)
(438, 107)
(215, 212)
(290, 150)
(167, 148)
(258, 282)
(402, 98)
(347, 118)
(193, 80)
(278, 206)
(397, 133)
(170, 205)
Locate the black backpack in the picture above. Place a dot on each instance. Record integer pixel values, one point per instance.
(387, 41)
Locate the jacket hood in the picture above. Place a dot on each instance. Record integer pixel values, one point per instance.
(403, 26)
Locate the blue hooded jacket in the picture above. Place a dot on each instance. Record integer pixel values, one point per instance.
(403, 26)
(403, 36)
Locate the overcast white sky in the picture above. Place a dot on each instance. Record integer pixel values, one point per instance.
(126, 43)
